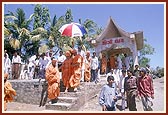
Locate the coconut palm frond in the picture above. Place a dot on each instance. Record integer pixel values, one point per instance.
(51, 37)
(60, 22)
(25, 31)
(36, 37)
(43, 49)
(15, 43)
(6, 32)
(10, 17)
(84, 48)
(54, 21)
(31, 17)
(24, 35)
(39, 31)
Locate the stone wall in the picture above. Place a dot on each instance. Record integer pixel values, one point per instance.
(28, 91)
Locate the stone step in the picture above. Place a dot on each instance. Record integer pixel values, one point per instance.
(67, 99)
(68, 94)
(72, 101)
(58, 106)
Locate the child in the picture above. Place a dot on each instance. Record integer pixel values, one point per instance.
(108, 95)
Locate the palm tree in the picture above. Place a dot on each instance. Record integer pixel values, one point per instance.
(19, 36)
(39, 35)
(16, 30)
(92, 32)
(41, 17)
(55, 38)
(68, 16)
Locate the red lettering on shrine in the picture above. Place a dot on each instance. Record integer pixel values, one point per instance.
(119, 41)
(105, 42)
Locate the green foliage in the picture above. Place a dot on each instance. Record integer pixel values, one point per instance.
(18, 27)
(143, 61)
(41, 16)
(68, 16)
(158, 71)
(91, 27)
(147, 50)
(20, 22)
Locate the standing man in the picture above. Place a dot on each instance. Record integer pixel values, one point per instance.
(66, 70)
(32, 65)
(127, 61)
(7, 64)
(49, 57)
(116, 78)
(94, 67)
(16, 63)
(87, 67)
(53, 79)
(122, 89)
(61, 59)
(119, 65)
(108, 95)
(119, 62)
(131, 89)
(112, 62)
(136, 71)
(76, 64)
(43, 61)
(145, 90)
(103, 64)
(82, 53)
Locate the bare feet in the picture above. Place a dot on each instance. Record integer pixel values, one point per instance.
(66, 90)
(75, 89)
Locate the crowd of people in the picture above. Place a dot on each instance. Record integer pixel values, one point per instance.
(75, 66)
(128, 85)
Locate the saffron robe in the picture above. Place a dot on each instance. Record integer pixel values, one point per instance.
(66, 71)
(103, 65)
(76, 70)
(112, 62)
(53, 79)
(9, 92)
(87, 73)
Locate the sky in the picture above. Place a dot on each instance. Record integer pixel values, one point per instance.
(132, 17)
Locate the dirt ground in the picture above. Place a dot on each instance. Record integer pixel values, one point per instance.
(93, 105)
(158, 101)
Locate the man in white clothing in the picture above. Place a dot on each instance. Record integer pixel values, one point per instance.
(122, 89)
(119, 62)
(49, 57)
(43, 61)
(127, 61)
(32, 65)
(113, 72)
(61, 59)
(16, 64)
(94, 67)
(7, 64)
